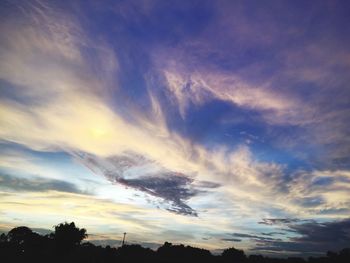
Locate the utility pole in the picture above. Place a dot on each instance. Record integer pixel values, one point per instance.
(123, 239)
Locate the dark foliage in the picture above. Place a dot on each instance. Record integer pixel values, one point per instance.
(67, 236)
(233, 255)
(21, 244)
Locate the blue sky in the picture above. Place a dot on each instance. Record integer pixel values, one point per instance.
(208, 123)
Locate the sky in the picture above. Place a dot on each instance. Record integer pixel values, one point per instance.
(207, 123)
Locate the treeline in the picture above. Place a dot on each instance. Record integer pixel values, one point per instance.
(65, 244)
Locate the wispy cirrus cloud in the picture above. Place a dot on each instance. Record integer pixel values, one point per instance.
(201, 87)
(275, 104)
(67, 110)
(256, 67)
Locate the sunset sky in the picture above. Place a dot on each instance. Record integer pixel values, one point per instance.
(207, 123)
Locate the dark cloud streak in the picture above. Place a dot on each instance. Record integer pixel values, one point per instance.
(37, 184)
(173, 187)
(170, 187)
(278, 221)
(313, 237)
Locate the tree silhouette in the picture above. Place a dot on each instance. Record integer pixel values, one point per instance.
(180, 253)
(25, 244)
(233, 255)
(3, 238)
(20, 235)
(68, 234)
(21, 244)
(67, 237)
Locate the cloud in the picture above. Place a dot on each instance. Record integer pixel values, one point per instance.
(36, 184)
(255, 237)
(231, 239)
(274, 101)
(312, 237)
(319, 191)
(337, 231)
(278, 221)
(172, 188)
(244, 235)
(140, 173)
(201, 87)
(289, 121)
(253, 65)
(272, 233)
(66, 106)
(68, 109)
